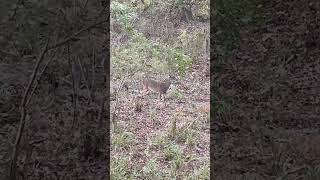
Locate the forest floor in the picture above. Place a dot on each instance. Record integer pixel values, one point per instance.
(153, 139)
(271, 129)
(52, 146)
(146, 134)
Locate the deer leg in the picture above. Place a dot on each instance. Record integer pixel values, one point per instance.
(144, 90)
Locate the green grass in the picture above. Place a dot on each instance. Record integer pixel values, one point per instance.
(159, 141)
(186, 135)
(173, 153)
(122, 141)
(169, 151)
(119, 168)
(151, 170)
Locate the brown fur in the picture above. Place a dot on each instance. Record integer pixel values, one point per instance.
(156, 86)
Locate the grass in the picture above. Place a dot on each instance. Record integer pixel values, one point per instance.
(166, 158)
(122, 141)
(157, 143)
(187, 136)
(173, 153)
(151, 170)
(176, 94)
(119, 168)
(153, 117)
(167, 153)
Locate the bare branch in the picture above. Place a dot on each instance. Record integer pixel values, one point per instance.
(74, 95)
(13, 166)
(72, 37)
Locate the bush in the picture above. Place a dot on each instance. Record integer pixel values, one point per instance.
(144, 55)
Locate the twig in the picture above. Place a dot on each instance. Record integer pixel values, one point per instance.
(104, 98)
(13, 166)
(85, 79)
(72, 37)
(27, 159)
(36, 83)
(287, 173)
(8, 53)
(85, 4)
(74, 95)
(29, 154)
(101, 109)
(93, 74)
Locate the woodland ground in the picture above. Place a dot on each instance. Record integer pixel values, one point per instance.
(144, 139)
(265, 106)
(150, 140)
(270, 129)
(65, 131)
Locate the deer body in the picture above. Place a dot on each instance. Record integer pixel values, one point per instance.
(156, 86)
